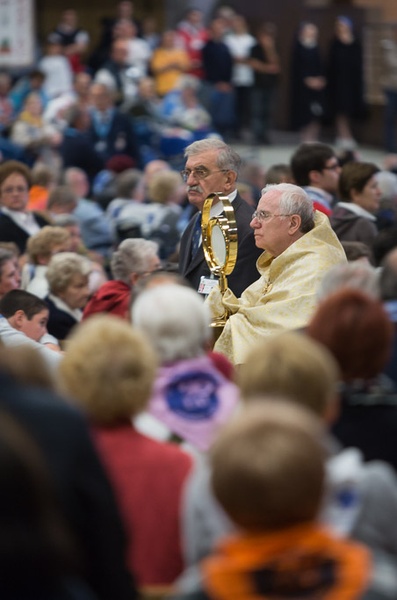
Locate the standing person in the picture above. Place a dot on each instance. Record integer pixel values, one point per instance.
(113, 74)
(168, 63)
(73, 38)
(213, 166)
(218, 69)
(307, 84)
(266, 65)
(57, 70)
(193, 35)
(111, 131)
(389, 85)
(240, 41)
(345, 81)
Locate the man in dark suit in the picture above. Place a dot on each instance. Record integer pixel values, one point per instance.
(85, 495)
(111, 131)
(212, 166)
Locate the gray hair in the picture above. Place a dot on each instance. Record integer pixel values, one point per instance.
(294, 201)
(227, 158)
(5, 256)
(387, 183)
(132, 256)
(63, 267)
(61, 196)
(175, 320)
(357, 275)
(127, 182)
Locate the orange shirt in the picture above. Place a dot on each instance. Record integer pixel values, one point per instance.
(167, 78)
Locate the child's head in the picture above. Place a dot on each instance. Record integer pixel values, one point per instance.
(26, 313)
(268, 466)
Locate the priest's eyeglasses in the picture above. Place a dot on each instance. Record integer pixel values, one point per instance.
(263, 215)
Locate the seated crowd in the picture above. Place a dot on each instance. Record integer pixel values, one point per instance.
(145, 452)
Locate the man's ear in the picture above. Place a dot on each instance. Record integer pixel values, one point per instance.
(295, 224)
(314, 177)
(231, 177)
(18, 319)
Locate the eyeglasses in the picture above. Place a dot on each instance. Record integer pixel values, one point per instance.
(18, 189)
(200, 173)
(334, 167)
(263, 215)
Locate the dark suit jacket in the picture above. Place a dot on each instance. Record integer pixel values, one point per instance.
(59, 322)
(120, 139)
(245, 271)
(11, 232)
(85, 494)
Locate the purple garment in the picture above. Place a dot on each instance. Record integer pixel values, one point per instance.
(193, 399)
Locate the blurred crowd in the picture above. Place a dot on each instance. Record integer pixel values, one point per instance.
(146, 451)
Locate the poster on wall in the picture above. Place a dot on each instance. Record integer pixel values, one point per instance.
(16, 33)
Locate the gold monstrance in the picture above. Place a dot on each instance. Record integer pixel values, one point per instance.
(219, 244)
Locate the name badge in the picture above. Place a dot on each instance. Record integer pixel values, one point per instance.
(206, 285)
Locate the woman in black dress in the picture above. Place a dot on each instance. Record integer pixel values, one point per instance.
(345, 81)
(307, 84)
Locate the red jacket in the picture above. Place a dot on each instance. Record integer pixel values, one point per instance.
(148, 478)
(112, 297)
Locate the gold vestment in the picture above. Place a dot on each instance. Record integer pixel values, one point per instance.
(285, 295)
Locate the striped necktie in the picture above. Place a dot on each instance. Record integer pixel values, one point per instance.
(196, 235)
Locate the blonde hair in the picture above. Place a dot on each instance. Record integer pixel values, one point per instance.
(268, 466)
(164, 186)
(109, 368)
(62, 268)
(291, 365)
(41, 244)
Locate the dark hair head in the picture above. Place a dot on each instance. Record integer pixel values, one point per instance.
(279, 173)
(355, 250)
(385, 241)
(357, 331)
(309, 157)
(355, 176)
(21, 300)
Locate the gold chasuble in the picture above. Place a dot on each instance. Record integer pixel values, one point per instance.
(284, 297)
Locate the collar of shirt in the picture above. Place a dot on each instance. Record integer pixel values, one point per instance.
(357, 210)
(319, 195)
(217, 209)
(24, 220)
(76, 313)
